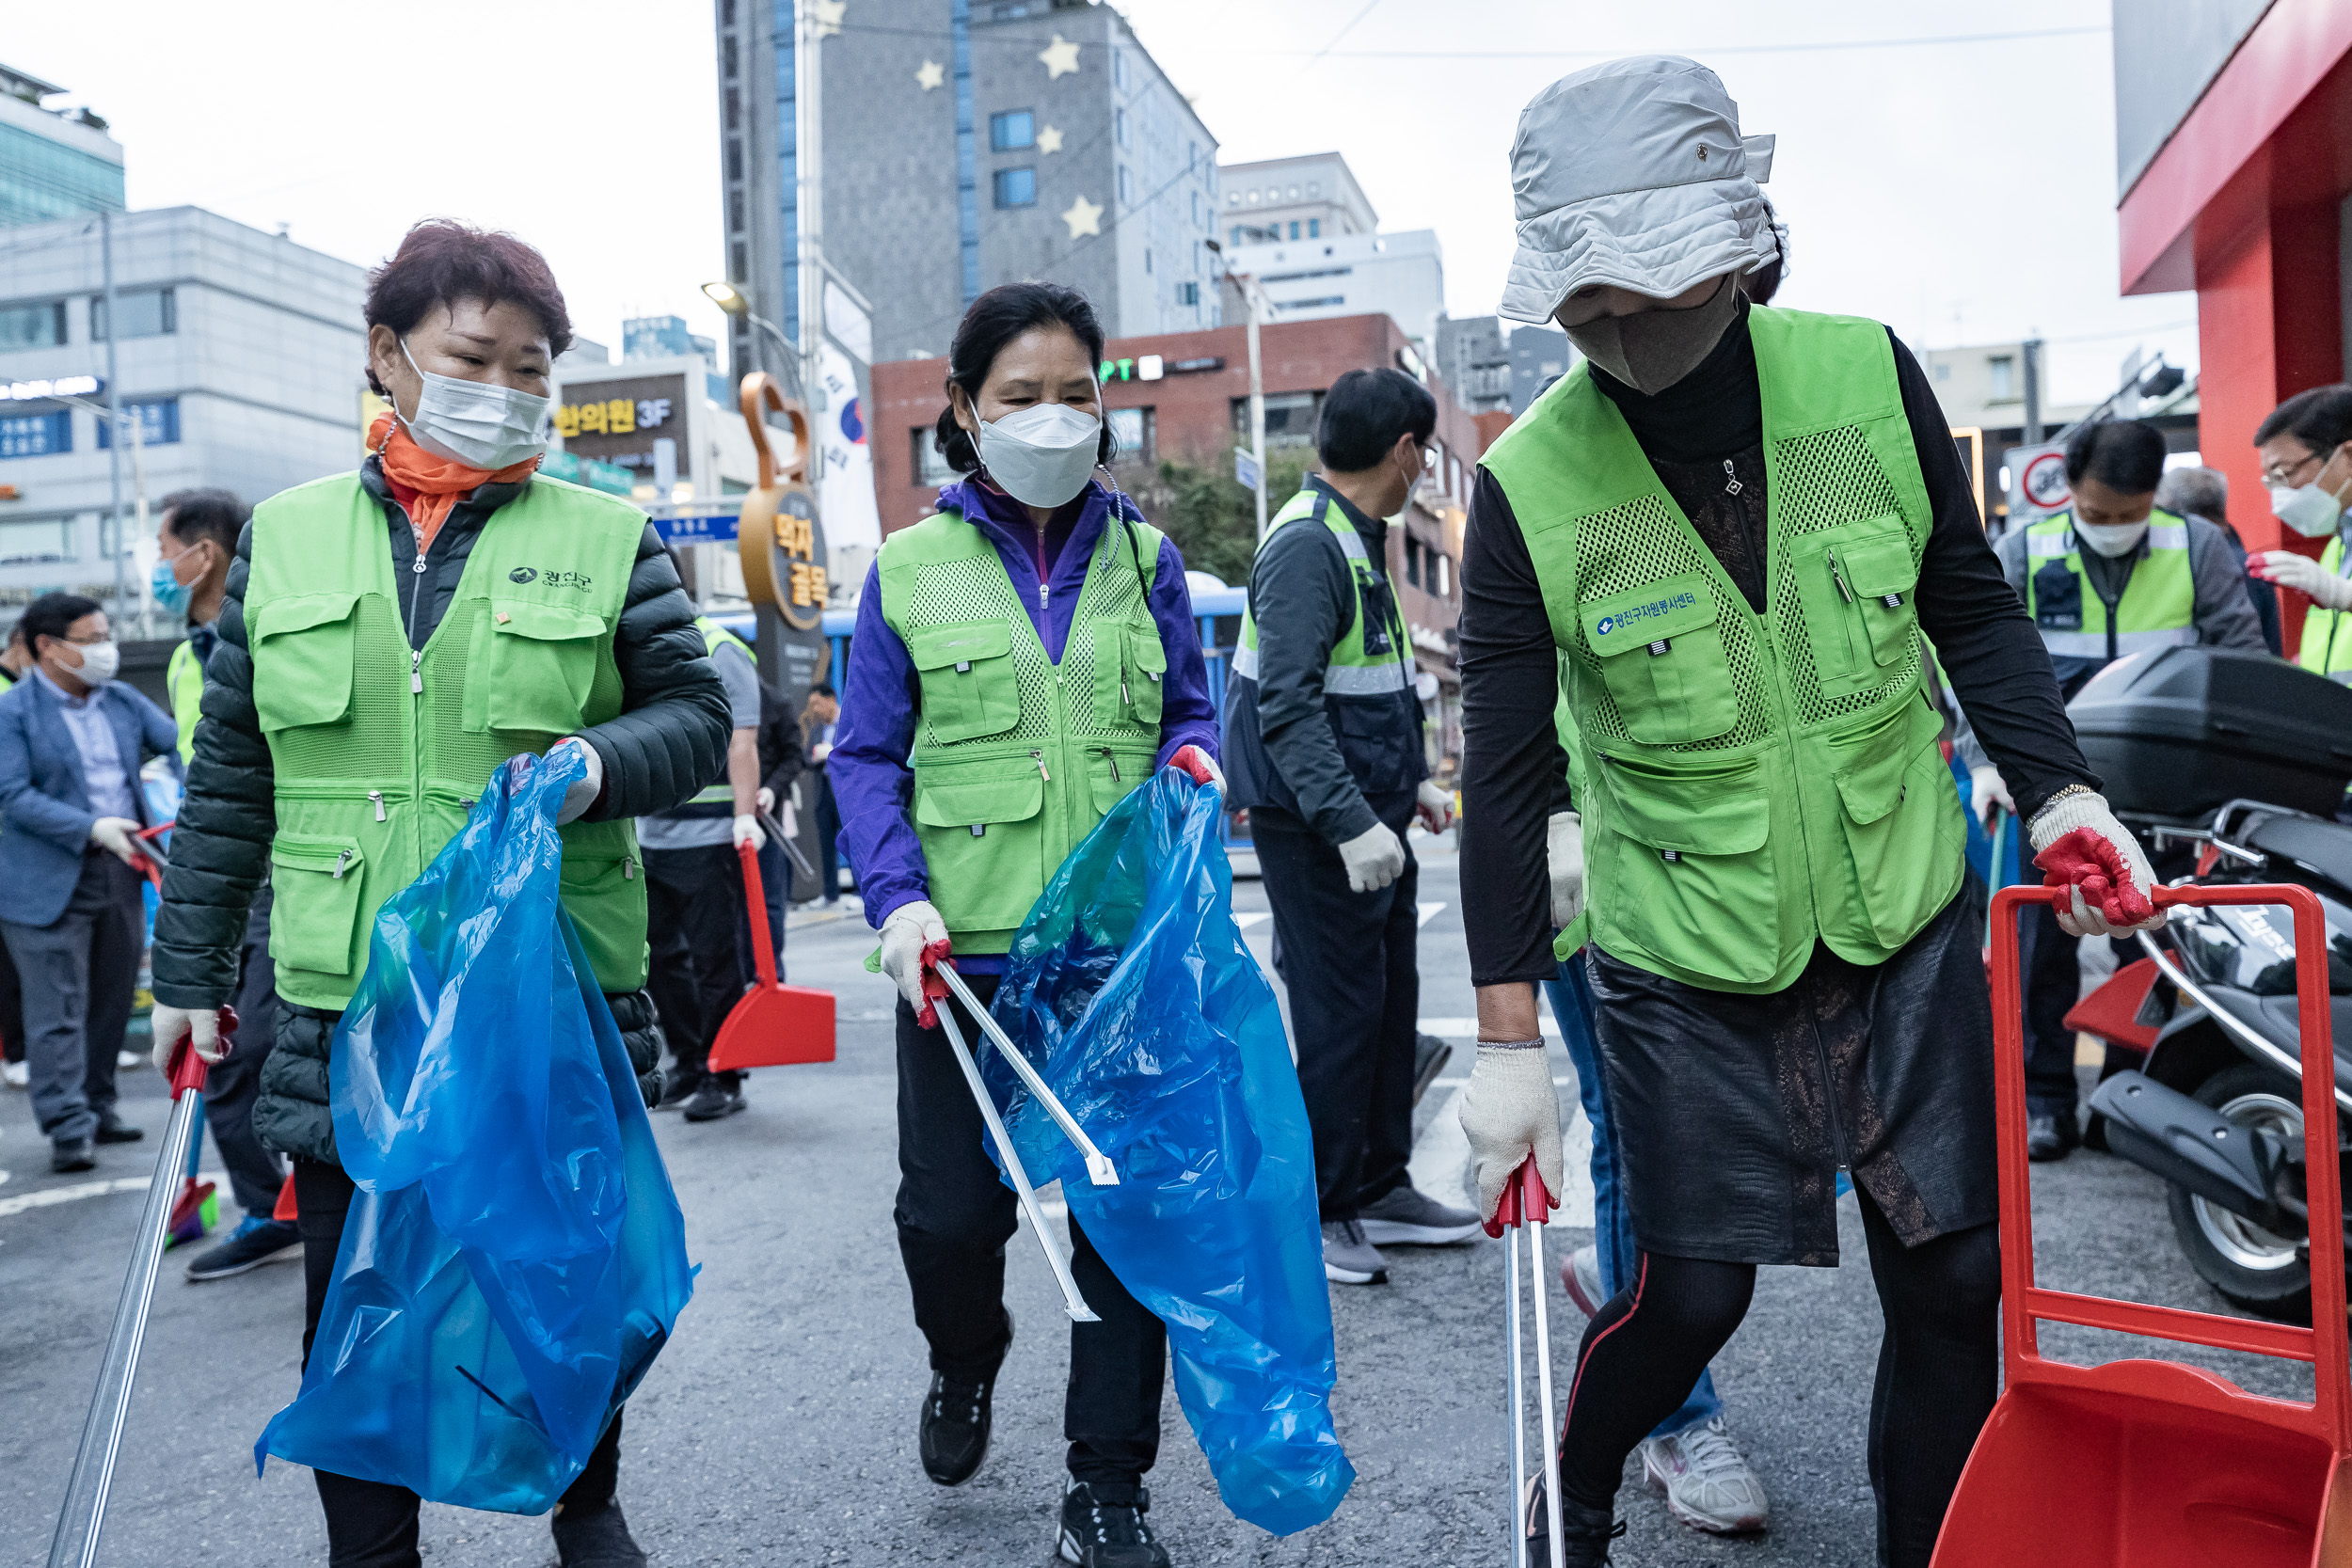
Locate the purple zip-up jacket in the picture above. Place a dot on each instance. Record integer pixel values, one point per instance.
(881, 694)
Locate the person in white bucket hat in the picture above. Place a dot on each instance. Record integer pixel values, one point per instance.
(1717, 544)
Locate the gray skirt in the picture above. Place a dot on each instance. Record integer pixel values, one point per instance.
(1733, 1113)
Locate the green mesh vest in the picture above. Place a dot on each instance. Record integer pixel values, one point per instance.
(379, 751)
(2327, 645)
(1015, 757)
(1752, 782)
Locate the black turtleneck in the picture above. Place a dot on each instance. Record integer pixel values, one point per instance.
(1512, 770)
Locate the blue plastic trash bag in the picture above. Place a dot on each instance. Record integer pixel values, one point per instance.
(1130, 990)
(514, 1258)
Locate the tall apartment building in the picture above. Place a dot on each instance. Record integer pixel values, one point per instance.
(239, 353)
(1400, 276)
(52, 163)
(1313, 197)
(966, 143)
(1475, 360)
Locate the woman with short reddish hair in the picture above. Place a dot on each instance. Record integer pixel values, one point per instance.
(389, 636)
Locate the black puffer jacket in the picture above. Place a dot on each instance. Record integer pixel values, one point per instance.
(669, 740)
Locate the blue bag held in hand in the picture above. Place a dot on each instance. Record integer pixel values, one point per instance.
(1130, 991)
(514, 1258)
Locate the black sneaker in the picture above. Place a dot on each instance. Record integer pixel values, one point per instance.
(712, 1099)
(679, 1089)
(599, 1539)
(260, 1240)
(2050, 1138)
(1430, 1055)
(1585, 1532)
(68, 1155)
(1102, 1527)
(112, 1129)
(957, 1416)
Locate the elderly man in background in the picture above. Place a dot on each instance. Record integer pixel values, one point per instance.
(2204, 493)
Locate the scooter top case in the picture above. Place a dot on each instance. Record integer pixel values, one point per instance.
(2149, 1464)
(2177, 733)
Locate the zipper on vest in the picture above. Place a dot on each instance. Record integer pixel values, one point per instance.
(416, 671)
(1114, 762)
(1039, 757)
(1731, 480)
(377, 797)
(342, 859)
(1837, 576)
(628, 868)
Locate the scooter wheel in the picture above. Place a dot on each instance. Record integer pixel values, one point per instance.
(2251, 1267)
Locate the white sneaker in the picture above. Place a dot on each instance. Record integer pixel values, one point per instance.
(1580, 1277)
(16, 1075)
(1707, 1480)
(126, 1060)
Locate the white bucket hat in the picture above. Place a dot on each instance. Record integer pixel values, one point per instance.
(1633, 173)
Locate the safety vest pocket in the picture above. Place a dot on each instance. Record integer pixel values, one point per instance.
(1900, 809)
(1883, 579)
(302, 647)
(983, 827)
(969, 686)
(1661, 654)
(1687, 868)
(1112, 774)
(318, 879)
(604, 893)
(530, 667)
(1142, 672)
(1846, 624)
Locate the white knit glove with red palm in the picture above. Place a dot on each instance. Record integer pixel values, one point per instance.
(2079, 846)
(914, 945)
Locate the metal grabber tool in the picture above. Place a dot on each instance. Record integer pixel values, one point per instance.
(1055, 1257)
(1099, 1170)
(1525, 1206)
(75, 1542)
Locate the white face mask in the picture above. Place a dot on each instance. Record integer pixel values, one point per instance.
(1040, 455)
(474, 422)
(99, 661)
(2110, 538)
(2307, 509)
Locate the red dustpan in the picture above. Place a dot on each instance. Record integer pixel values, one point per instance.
(2149, 1463)
(775, 1024)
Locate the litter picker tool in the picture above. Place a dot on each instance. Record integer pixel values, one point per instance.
(776, 831)
(774, 1024)
(1525, 1206)
(1099, 1168)
(1079, 1310)
(75, 1542)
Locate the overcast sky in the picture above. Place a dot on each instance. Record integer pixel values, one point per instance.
(1964, 192)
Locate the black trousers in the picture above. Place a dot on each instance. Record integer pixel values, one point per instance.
(693, 903)
(1350, 963)
(234, 1082)
(954, 1216)
(371, 1524)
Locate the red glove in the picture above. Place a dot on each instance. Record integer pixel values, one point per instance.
(934, 988)
(2090, 862)
(1199, 763)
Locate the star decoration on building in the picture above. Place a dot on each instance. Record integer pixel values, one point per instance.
(825, 16)
(930, 75)
(1049, 139)
(1084, 217)
(1060, 58)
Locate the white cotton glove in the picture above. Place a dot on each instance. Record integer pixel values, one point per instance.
(1564, 855)
(766, 799)
(1373, 859)
(583, 793)
(1433, 803)
(119, 836)
(2305, 576)
(201, 1028)
(2078, 843)
(914, 940)
(748, 830)
(1985, 791)
(1510, 1111)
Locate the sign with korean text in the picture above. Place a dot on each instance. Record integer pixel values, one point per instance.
(618, 421)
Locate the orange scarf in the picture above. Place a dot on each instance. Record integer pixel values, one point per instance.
(429, 486)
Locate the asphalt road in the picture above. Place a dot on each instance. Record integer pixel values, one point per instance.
(778, 1426)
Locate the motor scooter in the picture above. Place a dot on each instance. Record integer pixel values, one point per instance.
(2216, 1107)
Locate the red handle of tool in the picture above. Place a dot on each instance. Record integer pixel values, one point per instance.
(187, 1067)
(756, 896)
(1524, 1195)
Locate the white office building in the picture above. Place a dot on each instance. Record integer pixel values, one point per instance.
(240, 353)
(1401, 276)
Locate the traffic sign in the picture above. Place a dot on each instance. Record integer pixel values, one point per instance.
(710, 529)
(1246, 471)
(2037, 482)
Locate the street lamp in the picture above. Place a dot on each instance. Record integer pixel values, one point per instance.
(727, 297)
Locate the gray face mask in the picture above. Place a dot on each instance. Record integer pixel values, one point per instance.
(1652, 351)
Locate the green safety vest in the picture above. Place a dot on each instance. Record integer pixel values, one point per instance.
(1016, 758)
(1375, 657)
(1755, 782)
(2327, 645)
(184, 683)
(715, 637)
(1573, 935)
(380, 750)
(2158, 608)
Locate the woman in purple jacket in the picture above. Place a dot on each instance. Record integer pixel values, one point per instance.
(1024, 657)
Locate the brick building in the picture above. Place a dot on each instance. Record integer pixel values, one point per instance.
(1186, 395)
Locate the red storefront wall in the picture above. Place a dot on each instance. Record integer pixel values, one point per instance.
(2242, 204)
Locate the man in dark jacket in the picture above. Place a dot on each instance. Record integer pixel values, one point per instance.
(1323, 740)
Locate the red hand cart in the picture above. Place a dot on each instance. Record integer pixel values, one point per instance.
(2148, 1463)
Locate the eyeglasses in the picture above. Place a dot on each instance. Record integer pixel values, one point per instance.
(2284, 478)
(86, 642)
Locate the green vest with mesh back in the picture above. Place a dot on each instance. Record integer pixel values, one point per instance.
(2158, 609)
(715, 637)
(380, 750)
(1015, 757)
(1752, 782)
(2327, 645)
(184, 683)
